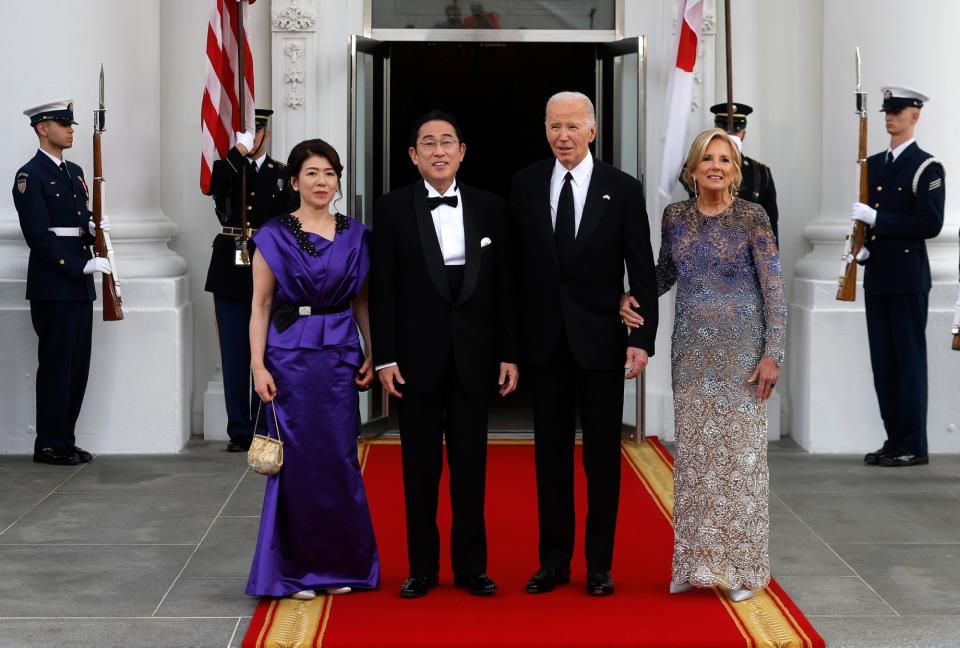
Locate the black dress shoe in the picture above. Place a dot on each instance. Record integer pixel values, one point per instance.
(476, 584)
(545, 580)
(599, 583)
(900, 460)
(873, 458)
(82, 455)
(56, 456)
(238, 446)
(417, 586)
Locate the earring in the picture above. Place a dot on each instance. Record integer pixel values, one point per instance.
(696, 189)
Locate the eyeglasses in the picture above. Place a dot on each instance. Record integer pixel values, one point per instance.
(428, 146)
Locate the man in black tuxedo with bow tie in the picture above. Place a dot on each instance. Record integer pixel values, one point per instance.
(579, 220)
(442, 314)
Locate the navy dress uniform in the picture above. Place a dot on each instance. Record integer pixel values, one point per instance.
(50, 195)
(757, 186)
(232, 284)
(907, 191)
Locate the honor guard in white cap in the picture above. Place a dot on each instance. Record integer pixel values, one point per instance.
(51, 198)
(229, 278)
(907, 190)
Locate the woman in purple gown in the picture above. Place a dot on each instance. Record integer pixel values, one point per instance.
(309, 299)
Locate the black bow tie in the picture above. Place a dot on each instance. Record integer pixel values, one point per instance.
(435, 201)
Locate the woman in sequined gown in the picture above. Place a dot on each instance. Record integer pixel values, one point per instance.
(728, 344)
(315, 527)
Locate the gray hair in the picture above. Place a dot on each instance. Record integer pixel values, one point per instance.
(566, 95)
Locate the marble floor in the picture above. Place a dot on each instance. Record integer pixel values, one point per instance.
(153, 552)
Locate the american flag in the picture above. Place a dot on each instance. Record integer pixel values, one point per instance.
(219, 115)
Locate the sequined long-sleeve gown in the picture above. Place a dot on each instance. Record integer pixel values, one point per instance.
(730, 312)
(315, 528)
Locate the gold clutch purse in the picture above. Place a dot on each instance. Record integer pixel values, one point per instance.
(265, 455)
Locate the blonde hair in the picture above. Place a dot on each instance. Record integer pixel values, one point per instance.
(698, 151)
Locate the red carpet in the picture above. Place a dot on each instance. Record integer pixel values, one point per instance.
(640, 614)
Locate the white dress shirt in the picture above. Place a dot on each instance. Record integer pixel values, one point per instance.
(448, 223)
(54, 158)
(897, 151)
(581, 183)
(260, 160)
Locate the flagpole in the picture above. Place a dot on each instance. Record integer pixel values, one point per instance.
(241, 95)
(729, 39)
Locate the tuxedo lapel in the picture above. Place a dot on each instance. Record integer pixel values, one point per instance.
(433, 255)
(471, 240)
(544, 220)
(598, 199)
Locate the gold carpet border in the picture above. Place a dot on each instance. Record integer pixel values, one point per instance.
(296, 623)
(763, 619)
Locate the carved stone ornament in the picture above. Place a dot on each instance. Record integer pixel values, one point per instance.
(293, 75)
(709, 24)
(294, 18)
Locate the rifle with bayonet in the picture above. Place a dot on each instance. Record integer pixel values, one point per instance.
(847, 289)
(112, 301)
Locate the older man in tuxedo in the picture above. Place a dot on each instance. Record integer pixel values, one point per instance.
(443, 310)
(579, 220)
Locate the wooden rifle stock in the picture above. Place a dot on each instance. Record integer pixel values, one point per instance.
(956, 342)
(847, 288)
(112, 304)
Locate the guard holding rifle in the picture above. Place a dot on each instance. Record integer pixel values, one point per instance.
(229, 277)
(906, 196)
(51, 199)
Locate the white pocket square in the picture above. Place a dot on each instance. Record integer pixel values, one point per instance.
(485, 241)
(606, 196)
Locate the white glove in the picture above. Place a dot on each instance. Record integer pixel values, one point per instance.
(956, 312)
(864, 213)
(97, 264)
(862, 256)
(104, 225)
(244, 140)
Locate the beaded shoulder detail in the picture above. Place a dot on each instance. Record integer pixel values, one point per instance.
(303, 239)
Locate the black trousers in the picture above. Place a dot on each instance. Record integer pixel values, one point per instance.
(560, 388)
(233, 328)
(896, 328)
(425, 420)
(64, 329)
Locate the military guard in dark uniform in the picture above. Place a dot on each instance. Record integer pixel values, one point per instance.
(51, 198)
(757, 185)
(906, 207)
(229, 279)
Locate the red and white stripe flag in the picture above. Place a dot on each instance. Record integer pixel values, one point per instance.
(679, 94)
(220, 113)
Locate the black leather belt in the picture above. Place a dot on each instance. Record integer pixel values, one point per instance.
(283, 316)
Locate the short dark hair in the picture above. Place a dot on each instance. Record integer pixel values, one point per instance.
(307, 148)
(433, 115)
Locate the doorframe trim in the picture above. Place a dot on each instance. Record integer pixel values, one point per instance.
(496, 35)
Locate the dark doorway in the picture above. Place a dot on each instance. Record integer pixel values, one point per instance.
(497, 91)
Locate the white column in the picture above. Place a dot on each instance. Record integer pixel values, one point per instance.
(831, 383)
(137, 398)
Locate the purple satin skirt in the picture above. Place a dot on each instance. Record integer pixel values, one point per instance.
(315, 527)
